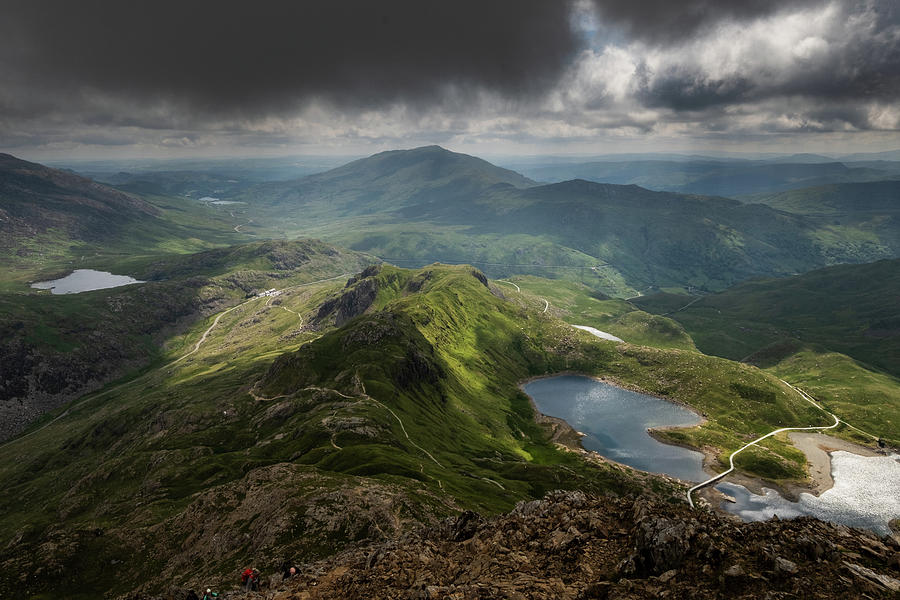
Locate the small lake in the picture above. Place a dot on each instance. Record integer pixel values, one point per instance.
(84, 280)
(615, 422)
(866, 494)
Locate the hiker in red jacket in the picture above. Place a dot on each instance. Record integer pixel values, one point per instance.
(250, 580)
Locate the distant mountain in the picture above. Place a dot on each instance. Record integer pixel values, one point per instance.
(843, 198)
(429, 204)
(656, 238)
(892, 155)
(35, 200)
(391, 180)
(802, 158)
(865, 214)
(715, 177)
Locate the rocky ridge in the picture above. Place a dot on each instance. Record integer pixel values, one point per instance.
(570, 545)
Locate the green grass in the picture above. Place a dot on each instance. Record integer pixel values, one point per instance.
(849, 309)
(58, 346)
(581, 305)
(179, 452)
(183, 453)
(863, 398)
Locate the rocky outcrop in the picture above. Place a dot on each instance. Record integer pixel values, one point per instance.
(352, 303)
(573, 546)
(79, 355)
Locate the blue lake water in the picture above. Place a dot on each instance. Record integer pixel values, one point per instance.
(84, 280)
(615, 422)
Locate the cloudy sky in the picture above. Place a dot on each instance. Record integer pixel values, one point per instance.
(110, 78)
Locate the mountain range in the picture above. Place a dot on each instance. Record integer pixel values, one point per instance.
(273, 400)
(710, 176)
(405, 205)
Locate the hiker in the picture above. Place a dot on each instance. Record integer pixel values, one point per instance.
(292, 572)
(250, 580)
(209, 595)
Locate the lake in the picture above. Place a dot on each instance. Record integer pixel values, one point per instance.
(84, 280)
(866, 494)
(615, 422)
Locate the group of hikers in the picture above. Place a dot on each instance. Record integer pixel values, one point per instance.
(250, 582)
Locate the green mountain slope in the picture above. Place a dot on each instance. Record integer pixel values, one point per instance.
(865, 216)
(833, 331)
(328, 414)
(35, 200)
(578, 304)
(54, 348)
(425, 205)
(851, 309)
(840, 200)
(54, 221)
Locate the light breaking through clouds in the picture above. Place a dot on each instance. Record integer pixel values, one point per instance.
(505, 76)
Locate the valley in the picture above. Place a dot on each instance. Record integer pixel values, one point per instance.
(274, 398)
(397, 300)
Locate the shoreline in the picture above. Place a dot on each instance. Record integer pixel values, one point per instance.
(625, 386)
(564, 434)
(817, 448)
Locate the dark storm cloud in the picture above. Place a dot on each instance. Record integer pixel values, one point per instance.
(668, 21)
(688, 89)
(251, 57)
(202, 73)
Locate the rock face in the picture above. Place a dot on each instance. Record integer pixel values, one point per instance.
(573, 546)
(359, 294)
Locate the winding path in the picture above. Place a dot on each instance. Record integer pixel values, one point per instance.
(179, 359)
(223, 313)
(803, 395)
(366, 396)
(694, 301)
(518, 289)
(210, 328)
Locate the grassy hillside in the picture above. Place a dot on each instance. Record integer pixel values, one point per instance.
(832, 331)
(866, 215)
(850, 309)
(838, 200)
(865, 398)
(55, 221)
(56, 347)
(428, 204)
(578, 304)
(328, 414)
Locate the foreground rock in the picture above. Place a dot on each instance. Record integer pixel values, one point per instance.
(572, 546)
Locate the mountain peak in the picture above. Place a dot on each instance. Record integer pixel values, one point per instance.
(431, 148)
